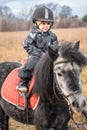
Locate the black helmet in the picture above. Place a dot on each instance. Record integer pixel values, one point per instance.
(43, 14)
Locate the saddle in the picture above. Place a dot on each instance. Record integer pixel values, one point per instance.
(13, 96)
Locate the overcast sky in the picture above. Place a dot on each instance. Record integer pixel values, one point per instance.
(79, 7)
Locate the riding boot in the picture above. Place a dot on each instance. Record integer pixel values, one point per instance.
(23, 85)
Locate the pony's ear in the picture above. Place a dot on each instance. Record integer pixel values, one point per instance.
(53, 52)
(76, 46)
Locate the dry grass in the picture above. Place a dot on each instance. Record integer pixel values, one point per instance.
(11, 49)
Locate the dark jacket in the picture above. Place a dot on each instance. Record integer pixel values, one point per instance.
(37, 41)
(36, 45)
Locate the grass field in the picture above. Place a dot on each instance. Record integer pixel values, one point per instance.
(11, 49)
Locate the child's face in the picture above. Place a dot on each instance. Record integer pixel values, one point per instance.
(44, 26)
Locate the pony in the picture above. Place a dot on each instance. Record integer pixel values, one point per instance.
(57, 82)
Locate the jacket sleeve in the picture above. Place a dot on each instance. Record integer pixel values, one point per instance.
(30, 45)
(54, 40)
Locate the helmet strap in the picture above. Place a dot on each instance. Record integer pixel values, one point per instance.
(37, 24)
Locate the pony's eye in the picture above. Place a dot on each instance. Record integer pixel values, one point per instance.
(59, 74)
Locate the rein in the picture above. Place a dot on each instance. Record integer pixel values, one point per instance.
(66, 98)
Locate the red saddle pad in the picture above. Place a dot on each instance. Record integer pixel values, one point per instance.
(11, 95)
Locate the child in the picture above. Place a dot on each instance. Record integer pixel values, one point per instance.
(36, 43)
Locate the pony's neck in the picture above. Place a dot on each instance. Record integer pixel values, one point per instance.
(44, 76)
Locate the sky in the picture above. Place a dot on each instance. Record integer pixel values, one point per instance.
(79, 7)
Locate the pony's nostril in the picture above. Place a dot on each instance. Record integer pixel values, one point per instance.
(84, 103)
(75, 104)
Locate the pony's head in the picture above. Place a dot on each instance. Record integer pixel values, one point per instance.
(68, 62)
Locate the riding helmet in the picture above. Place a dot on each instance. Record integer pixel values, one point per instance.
(43, 13)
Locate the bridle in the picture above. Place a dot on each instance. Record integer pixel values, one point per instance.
(67, 97)
(59, 88)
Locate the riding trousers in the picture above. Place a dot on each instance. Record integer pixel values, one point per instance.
(27, 70)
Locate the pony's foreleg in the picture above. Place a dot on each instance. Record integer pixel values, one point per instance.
(40, 120)
(4, 125)
(41, 127)
(3, 120)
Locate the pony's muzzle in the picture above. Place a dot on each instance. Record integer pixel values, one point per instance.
(78, 106)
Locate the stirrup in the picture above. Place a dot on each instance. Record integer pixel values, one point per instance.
(22, 89)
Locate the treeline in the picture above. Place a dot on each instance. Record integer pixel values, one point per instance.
(63, 18)
(71, 22)
(7, 24)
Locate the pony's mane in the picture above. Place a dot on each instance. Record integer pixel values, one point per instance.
(71, 53)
